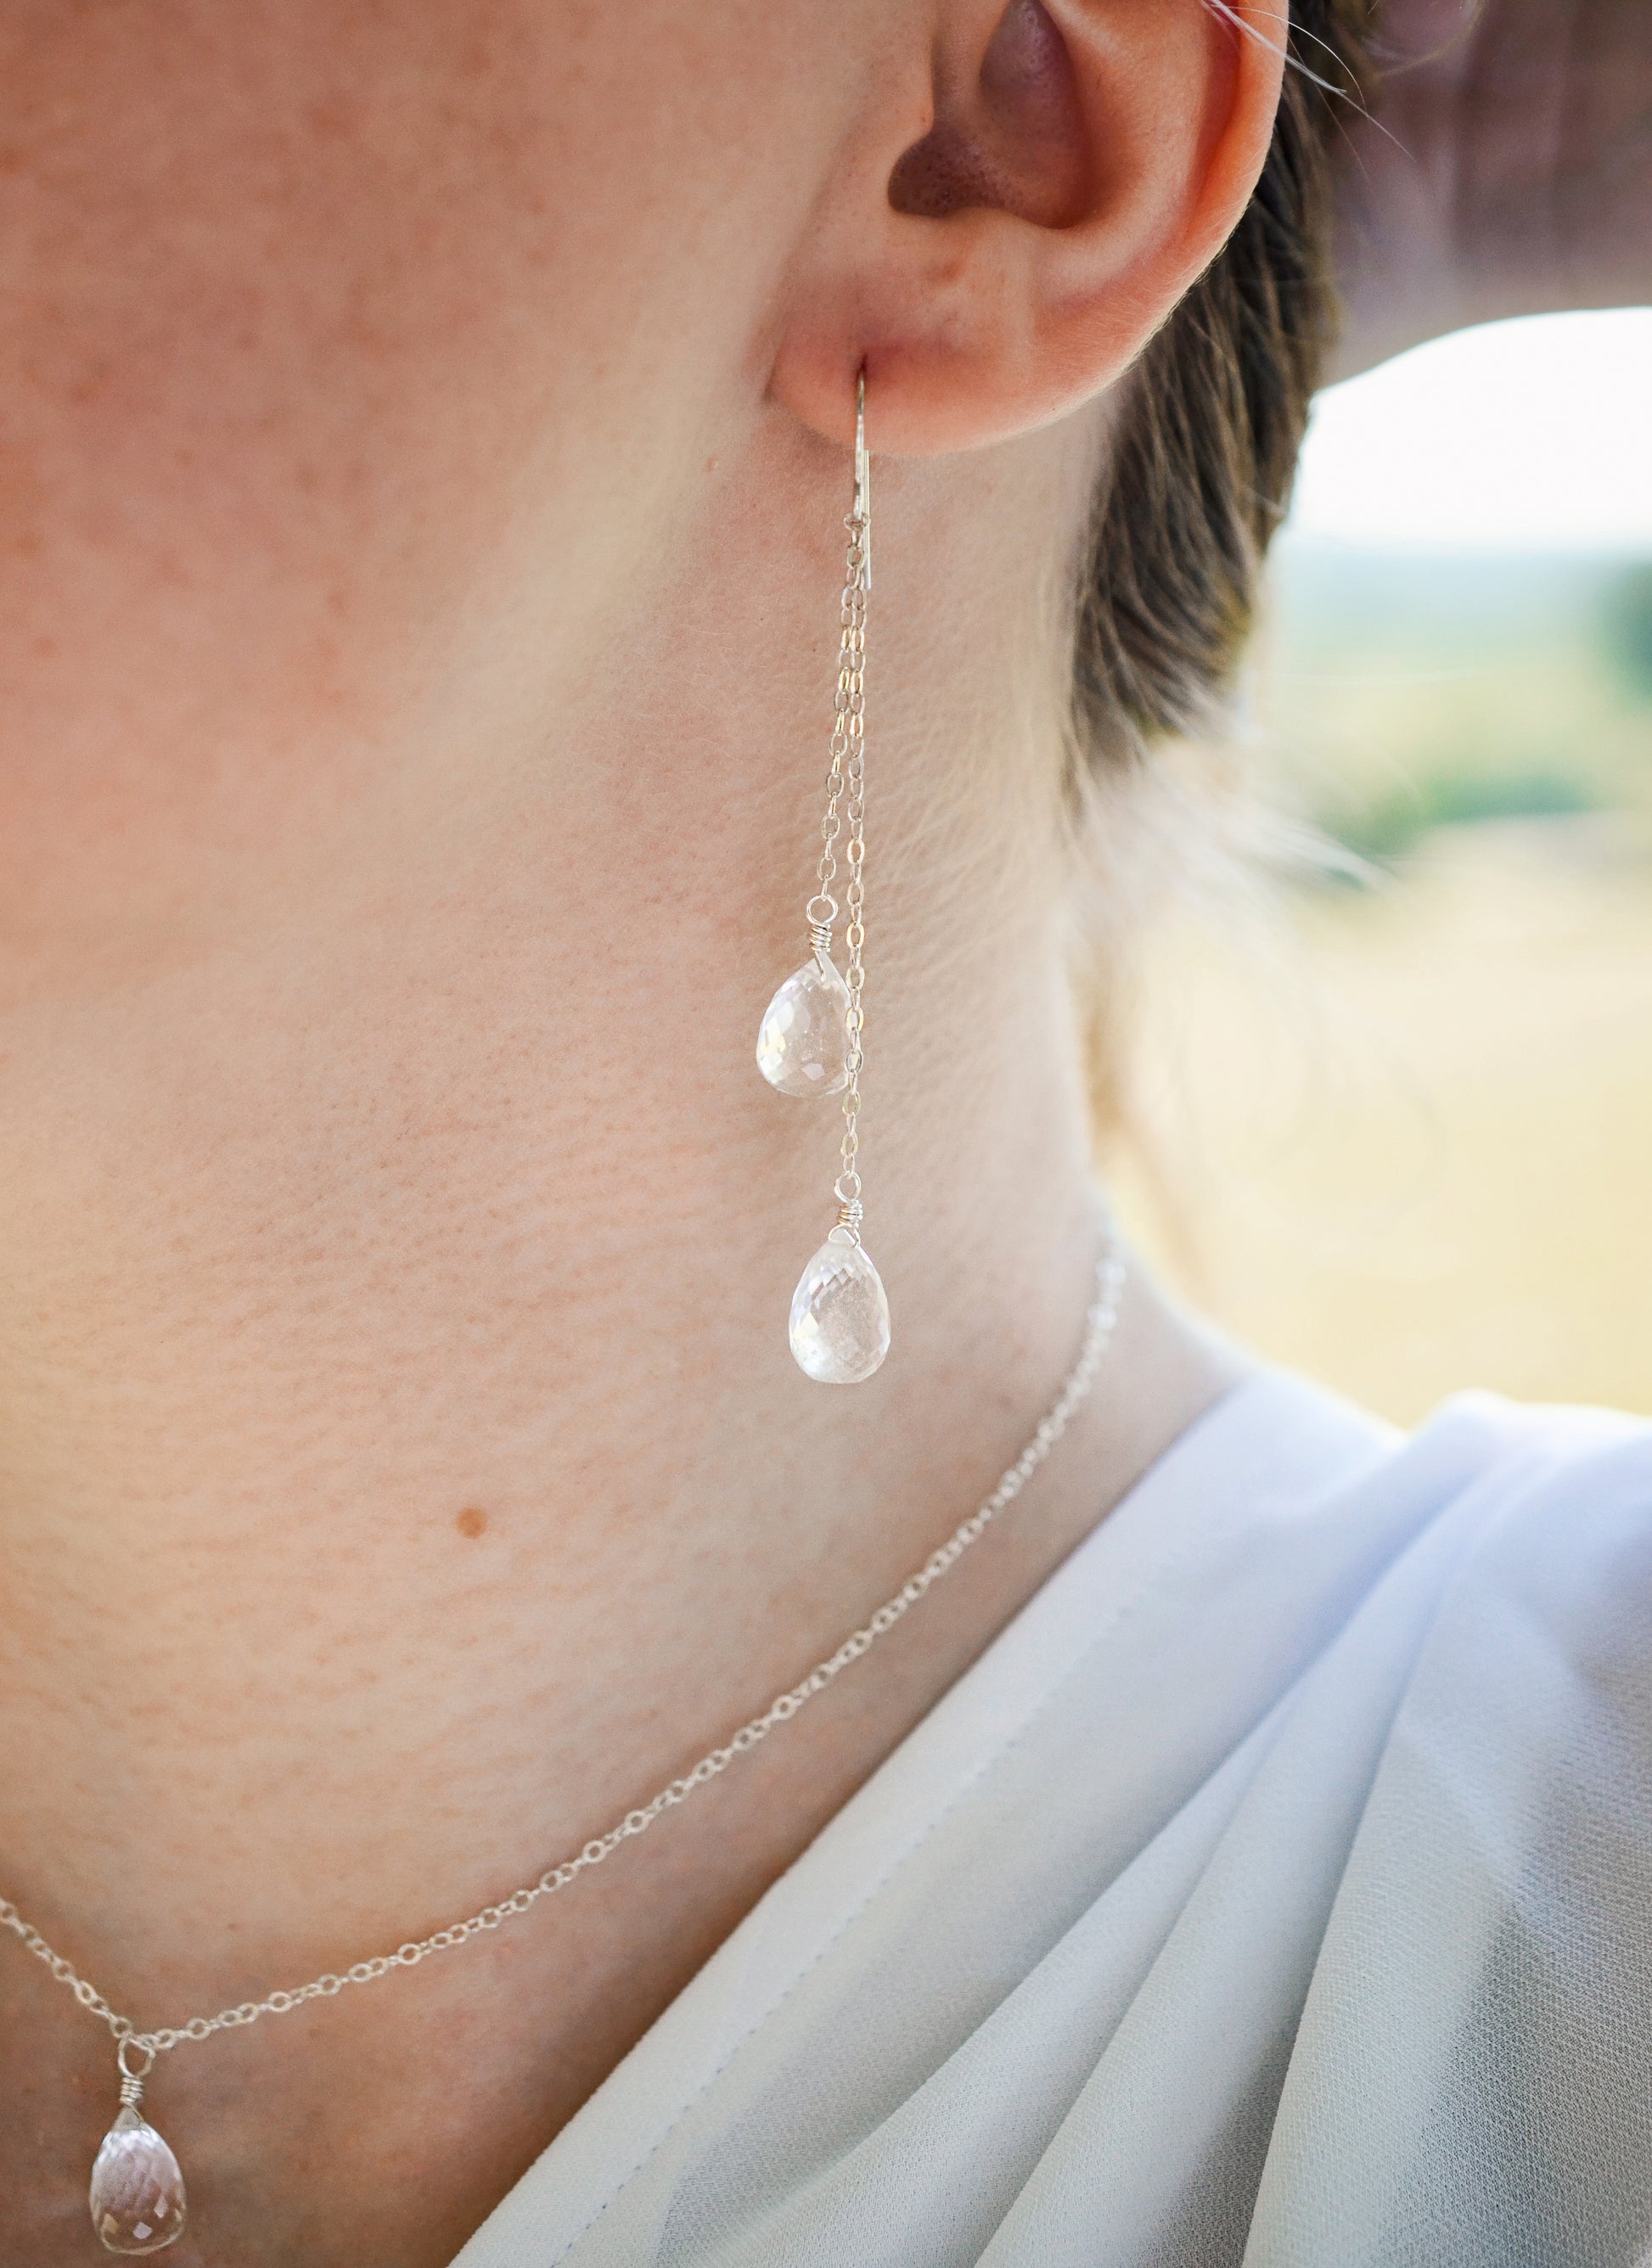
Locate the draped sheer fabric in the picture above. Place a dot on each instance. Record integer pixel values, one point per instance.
(1276, 1890)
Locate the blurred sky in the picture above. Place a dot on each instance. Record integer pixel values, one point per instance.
(1527, 436)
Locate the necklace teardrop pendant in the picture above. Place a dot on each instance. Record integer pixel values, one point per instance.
(136, 2195)
(803, 1041)
(840, 1317)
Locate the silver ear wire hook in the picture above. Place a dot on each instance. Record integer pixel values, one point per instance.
(863, 477)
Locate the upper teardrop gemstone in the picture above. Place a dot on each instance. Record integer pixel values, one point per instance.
(137, 2196)
(840, 1318)
(803, 1041)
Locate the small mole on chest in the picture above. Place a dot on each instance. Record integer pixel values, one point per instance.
(472, 1522)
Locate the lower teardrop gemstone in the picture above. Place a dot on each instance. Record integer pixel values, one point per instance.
(840, 1318)
(137, 2194)
(803, 1041)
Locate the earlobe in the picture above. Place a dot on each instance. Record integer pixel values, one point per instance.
(1086, 161)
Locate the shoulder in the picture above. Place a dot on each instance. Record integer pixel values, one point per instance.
(1536, 1679)
(1555, 1504)
(1470, 2074)
(1496, 1562)
(1536, 1524)
(1522, 1444)
(1502, 1481)
(1289, 1483)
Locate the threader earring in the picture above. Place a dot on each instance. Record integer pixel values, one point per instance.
(810, 1040)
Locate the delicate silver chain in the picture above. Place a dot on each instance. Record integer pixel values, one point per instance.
(1099, 1322)
(846, 808)
(851, 731)
(822, 909)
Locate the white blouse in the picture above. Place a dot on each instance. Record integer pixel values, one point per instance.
(1277, 1890)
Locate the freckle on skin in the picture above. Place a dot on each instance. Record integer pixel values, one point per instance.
(472, 1522)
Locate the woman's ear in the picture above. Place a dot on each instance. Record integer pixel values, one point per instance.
(1029, 193)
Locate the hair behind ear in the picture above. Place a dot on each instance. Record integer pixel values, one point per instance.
(1205, 450)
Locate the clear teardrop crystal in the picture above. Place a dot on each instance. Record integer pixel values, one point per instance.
(840, 1319)
(803, 1039)
(136, 2195)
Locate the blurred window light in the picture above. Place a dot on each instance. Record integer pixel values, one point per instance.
(1529, 436)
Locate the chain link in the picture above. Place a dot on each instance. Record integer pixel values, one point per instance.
(822, 909)
(846, 809)
(1099, 1322)
(849, 757)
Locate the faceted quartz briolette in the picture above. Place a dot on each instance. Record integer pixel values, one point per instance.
(803, 1041)
(840, 1319)
(136, 2195)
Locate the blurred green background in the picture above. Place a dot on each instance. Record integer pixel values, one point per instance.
(1405, 694)
(1395, 1130)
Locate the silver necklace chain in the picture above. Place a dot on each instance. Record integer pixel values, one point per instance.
(1100, 1320)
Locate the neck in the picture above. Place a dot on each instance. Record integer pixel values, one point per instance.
(397, 1427)
(313, 1278)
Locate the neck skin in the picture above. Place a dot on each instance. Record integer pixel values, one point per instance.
(402, 1469)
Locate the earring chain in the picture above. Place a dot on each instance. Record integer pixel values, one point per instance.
(848, 778)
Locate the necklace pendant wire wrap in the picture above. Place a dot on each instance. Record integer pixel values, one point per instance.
(137, 2194)
(809, 1042)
